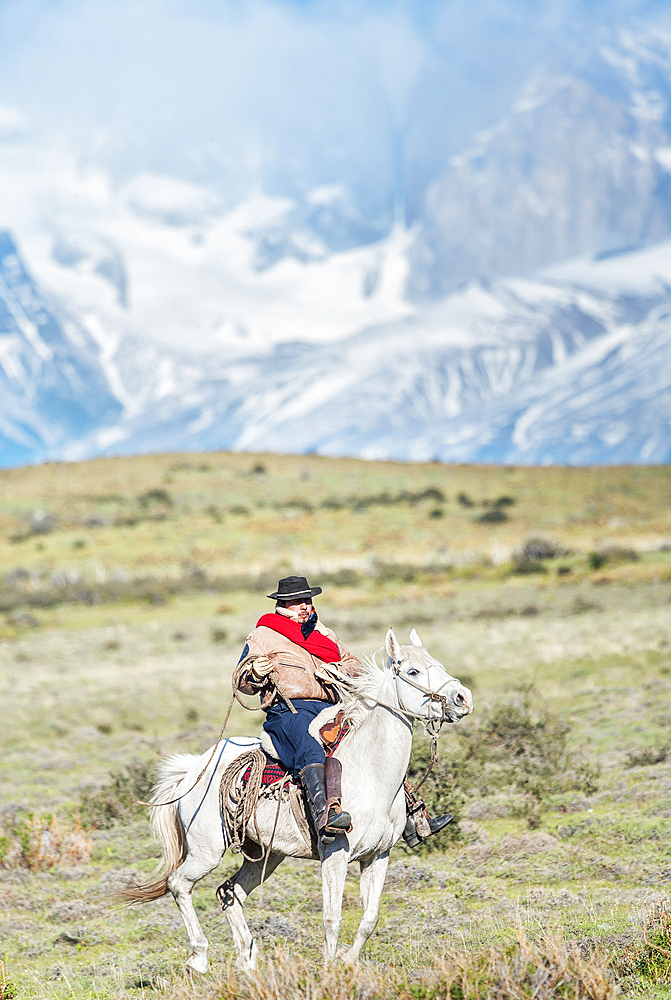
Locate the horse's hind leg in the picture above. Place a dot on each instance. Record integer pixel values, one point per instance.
(371, 883)
(181, 883)
(234, 893)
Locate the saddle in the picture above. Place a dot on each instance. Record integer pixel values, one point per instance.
(331, 733)
(259, 774)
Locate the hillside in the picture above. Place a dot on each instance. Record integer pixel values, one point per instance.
(127, 589)
(248, 517)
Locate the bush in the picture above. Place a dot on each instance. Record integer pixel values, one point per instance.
(541, 548)
(653, 960)
(385, 499)
(494, 515)
(441, 791)
(646, 756)
(117, 801)
(611, 554)
(523, 566)
(155, 495)
(464, 500)
(516, 747)
(343, 578)
(39, 842)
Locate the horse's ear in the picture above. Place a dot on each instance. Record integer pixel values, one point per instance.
(392, 645)
(415, 639)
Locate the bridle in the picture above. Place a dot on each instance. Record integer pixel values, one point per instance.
(431, 726)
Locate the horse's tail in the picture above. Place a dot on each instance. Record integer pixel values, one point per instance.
(167, 827)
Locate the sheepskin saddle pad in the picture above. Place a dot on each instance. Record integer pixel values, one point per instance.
(329, 728)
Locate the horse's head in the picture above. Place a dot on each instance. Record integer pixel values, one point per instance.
(424, 687)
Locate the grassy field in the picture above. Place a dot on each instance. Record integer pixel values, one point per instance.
(127, 587)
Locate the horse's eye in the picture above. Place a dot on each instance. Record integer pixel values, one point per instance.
(412, 671)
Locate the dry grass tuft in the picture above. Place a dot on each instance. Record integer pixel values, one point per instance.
(7, 988)
(650, 959)
(39, 843)
(527, 969)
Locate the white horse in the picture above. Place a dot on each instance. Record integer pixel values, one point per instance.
(383, 706)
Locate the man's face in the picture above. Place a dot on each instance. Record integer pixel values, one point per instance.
(303, 609)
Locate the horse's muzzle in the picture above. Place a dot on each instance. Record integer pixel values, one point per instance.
(459, 705)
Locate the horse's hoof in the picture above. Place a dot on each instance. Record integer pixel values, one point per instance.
(247, 961)
(347, 958)
(197, 964)
(244, 965)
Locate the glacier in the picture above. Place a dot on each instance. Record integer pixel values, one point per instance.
(520, 313)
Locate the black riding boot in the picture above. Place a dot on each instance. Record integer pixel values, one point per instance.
(411, 834)
(327, 820)
(418, 824)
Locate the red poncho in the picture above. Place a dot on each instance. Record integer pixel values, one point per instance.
(319, 645)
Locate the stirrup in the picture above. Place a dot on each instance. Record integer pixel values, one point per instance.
(414, 837)
(340, 822)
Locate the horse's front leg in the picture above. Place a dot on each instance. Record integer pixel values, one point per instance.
(371, 883)
(334, 870)
(234, 893)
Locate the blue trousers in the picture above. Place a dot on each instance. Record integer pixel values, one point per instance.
(295, 746)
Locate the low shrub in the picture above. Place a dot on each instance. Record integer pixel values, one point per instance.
(524, 747)
(524, 566)
(610, 555)
(343, 578)
(384, 499)
(40, 842)
(493, 515)
(645, 756)
(541, 548)
(653, 955)
(117, 802)
(441, 792)
(581, 606)
(155, 495)
(517, 746)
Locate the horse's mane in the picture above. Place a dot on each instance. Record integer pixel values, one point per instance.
(359, 696)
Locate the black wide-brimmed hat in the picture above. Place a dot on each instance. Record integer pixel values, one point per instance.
(294, 588)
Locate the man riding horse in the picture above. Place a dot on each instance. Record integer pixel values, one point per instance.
(286, 660)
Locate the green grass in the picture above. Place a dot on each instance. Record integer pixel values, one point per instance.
(88, 690)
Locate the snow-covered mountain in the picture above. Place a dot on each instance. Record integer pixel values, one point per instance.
(523, 316)
(52, 386)
(580, 164)
(573, 366)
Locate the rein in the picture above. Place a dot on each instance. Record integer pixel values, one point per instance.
(429, 724)
(432, 727)
(250, 708)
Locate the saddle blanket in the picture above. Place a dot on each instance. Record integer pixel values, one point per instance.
(275, 771)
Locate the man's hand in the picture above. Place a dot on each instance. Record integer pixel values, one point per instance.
(261, 667)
